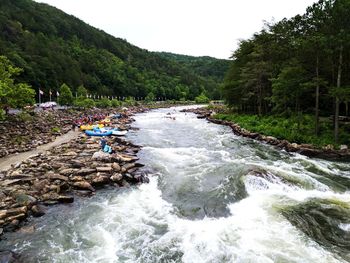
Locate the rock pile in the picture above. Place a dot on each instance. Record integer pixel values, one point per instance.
(56, 176)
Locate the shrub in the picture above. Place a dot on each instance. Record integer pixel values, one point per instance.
(103, 103)
(201, 99)
(84, 103)
(115, 103)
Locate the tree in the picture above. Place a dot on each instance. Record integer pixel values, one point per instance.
(202, 98)
(16, 95)
(288, 88)
(150, 97)
(82, 91)
(66, 96)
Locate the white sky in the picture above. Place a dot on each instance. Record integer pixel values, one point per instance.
(191, 27)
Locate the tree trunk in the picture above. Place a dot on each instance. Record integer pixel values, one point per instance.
(337, 100)
(317, 95)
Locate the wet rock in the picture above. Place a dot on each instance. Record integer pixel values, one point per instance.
(8, 256)
(124, 183)
(83, 193)
(100, 180)
(117, 177)
(23, 199)
(38, 210)
(65, 199)
(84, 186)
(128, 166)
(27, 230)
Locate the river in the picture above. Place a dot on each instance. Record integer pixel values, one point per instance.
(212, 197)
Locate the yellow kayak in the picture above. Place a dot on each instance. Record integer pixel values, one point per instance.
(105, 121)
(90, 127)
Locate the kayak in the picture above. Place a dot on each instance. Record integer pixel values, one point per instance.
(105, 121)
(115, 131)
(90, 127)
(119, 133)
(98, 133)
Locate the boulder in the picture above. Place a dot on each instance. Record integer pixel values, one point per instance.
(343, 147)
(8, 256)
(83, 185)
(25, 200)
(100, 180)
(38, 210)
(116, 167)
(117, 177)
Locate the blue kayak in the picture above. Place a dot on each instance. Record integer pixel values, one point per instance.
(98, 133)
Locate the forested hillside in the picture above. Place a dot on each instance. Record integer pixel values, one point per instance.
(298, 65)
(208, 67)
(54, 48)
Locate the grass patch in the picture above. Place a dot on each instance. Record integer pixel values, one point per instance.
(55, 130)
(288, 128)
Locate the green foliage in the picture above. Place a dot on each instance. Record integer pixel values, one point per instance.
(129, 101)
(66, 96)
(103, 103)
(287, 128)
(54, 48)
(82, 91)
(115, 103)
(16, 95)
(55, 130)
(150, 97)
(86, 103)
(291, 66)
(202, 99)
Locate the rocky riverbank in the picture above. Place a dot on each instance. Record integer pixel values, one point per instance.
(75, 168)
(24, 132)
(309, 150)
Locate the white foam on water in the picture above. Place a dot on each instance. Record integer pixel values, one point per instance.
(139, 225)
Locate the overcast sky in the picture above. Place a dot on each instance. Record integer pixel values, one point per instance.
(191, 27)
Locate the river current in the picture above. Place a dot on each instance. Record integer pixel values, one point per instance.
(212, 197)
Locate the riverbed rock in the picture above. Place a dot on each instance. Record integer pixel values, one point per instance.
(8, 256)
(117, 177)
(23, 199)
(38, 210)
(100, 180)
(343, 147)
(84, 186)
